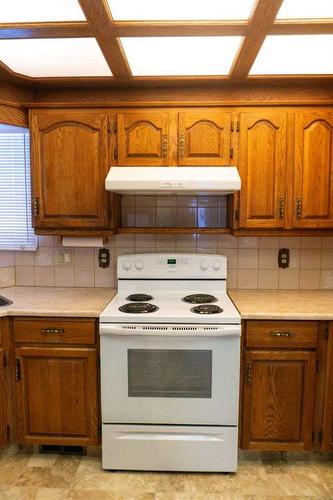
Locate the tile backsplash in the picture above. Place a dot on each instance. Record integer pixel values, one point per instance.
(252, 262)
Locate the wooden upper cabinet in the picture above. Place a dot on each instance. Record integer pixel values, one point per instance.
(143, 138)
(278, 400)
(69, 166)
(262, 167)
(204, 138)
(313, 190)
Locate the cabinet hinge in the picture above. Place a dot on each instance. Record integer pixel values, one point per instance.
(36, 206)
(5, 360)
(232, 126)
(115, 153)
(231, 152)
(237, 126)
(18, 370)
(320, 436)
(8, 431)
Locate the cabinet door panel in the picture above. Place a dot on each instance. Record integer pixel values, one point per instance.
(143, 139)
(204, 138)
(3, 420)
(56, 395)
(278, 400)
(262, 165)
(327, 443)
(69, 164)
(313, 169)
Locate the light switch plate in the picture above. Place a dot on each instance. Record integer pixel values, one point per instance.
(64, 257)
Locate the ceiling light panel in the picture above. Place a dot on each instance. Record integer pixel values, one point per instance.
(180, 10)
(181, 56)
(54, 57)
(295, 55)
(29, 11)
(306, 9)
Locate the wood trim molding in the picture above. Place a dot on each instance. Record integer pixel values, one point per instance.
(99, 17)
(45, 30)
(262, 18)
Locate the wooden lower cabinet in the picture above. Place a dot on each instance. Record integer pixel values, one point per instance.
(6, 427)
(278, 399)
(327, 429)
(56, 395)
(2, 400)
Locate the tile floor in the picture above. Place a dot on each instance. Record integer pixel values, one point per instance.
(27, 476)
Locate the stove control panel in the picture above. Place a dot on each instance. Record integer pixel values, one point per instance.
(173, 266)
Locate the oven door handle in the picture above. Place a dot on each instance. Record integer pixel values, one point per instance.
(167, 330)
(168, 436)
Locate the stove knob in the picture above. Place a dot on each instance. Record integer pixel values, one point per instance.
(139, 265)
(204, 265)
(216, 264)
(127, 265)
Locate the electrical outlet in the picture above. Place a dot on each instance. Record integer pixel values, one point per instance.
(283, 258)
(64, 257)
(104, 257)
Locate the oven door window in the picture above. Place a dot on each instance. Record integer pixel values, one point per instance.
(169, 373)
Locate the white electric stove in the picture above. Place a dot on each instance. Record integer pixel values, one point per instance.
(170, 361)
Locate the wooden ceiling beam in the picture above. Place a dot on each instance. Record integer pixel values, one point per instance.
(45, 30)
(302, 27)
(180, 28)
(262, 18)
(99, 17)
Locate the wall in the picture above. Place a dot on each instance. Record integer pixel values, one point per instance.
(252, 262)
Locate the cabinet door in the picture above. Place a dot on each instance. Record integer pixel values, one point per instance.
(56, 395)
(204, 138)
(69, 165)
(327, 442)
(313, 190)
(278, 400)
(143, 139)
(3, 415)
(262, 167)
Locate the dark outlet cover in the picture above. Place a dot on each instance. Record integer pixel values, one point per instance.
(283, 258)
(104, 257)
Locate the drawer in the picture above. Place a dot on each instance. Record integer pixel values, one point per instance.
(54, 331)
(275, 334)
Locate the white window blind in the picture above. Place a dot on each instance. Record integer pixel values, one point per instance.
(15, 197)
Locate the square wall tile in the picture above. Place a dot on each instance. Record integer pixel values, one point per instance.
(104, 278)
(165, 216)
(326, 279)
(327, 242)
(247, 279)
(290, 242)
(268, 258)
(310, 258)
(84, 257)
(64, 276)
(145, 201)
(166, 201)
(127, 200)
(186, 242)
(222, 217)
(207, 240)
(145, 241)
(24, 258)
(227, 241)
(186, 216)
(207, 216)
(248, 258)
(84, 277)
(289, 279)
(294, 258)
(7, 276)
(208, 201)
(310, 242)
(145, 216)
(309, 279)
(232, 257)
(46, 241)
(44, 256)
(7, 258)
(25, 276)
(127, 216)
(327, 258)
(268, 279)
(265, 242)
(44, 276)
(248, 242)
(232, 279)
(124, 240)
(165, 242)
(186, 201)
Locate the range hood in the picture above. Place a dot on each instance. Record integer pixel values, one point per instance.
(170, 180)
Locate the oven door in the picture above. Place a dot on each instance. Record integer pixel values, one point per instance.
(159, 379)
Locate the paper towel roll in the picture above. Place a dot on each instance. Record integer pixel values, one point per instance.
(82, 241)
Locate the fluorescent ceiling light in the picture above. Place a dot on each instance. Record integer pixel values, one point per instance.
(54, 57)
(306, 9)
(295, 55)
(25, 11)
(175, 10)
(181, 56)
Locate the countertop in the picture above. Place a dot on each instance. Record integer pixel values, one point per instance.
(284, 304)
(49, 301)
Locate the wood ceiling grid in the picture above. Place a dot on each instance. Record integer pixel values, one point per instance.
(107, 32)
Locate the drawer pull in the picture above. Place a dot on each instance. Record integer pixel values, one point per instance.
(53, 330)
(278, 333)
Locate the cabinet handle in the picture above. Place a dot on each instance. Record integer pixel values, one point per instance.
(299, 208)
(53, 330)
(18, 376)
(281, 208)
(278, 333)
(181, 145)
(248, 373)
(36, 206)
(164, 146)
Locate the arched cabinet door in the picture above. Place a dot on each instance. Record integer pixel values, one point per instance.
(313, 173)
(143, 139)
(262, 167)
(204, 138)
(69, 166)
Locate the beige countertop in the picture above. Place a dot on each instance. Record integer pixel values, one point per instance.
(284, 304)
(49, 301)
